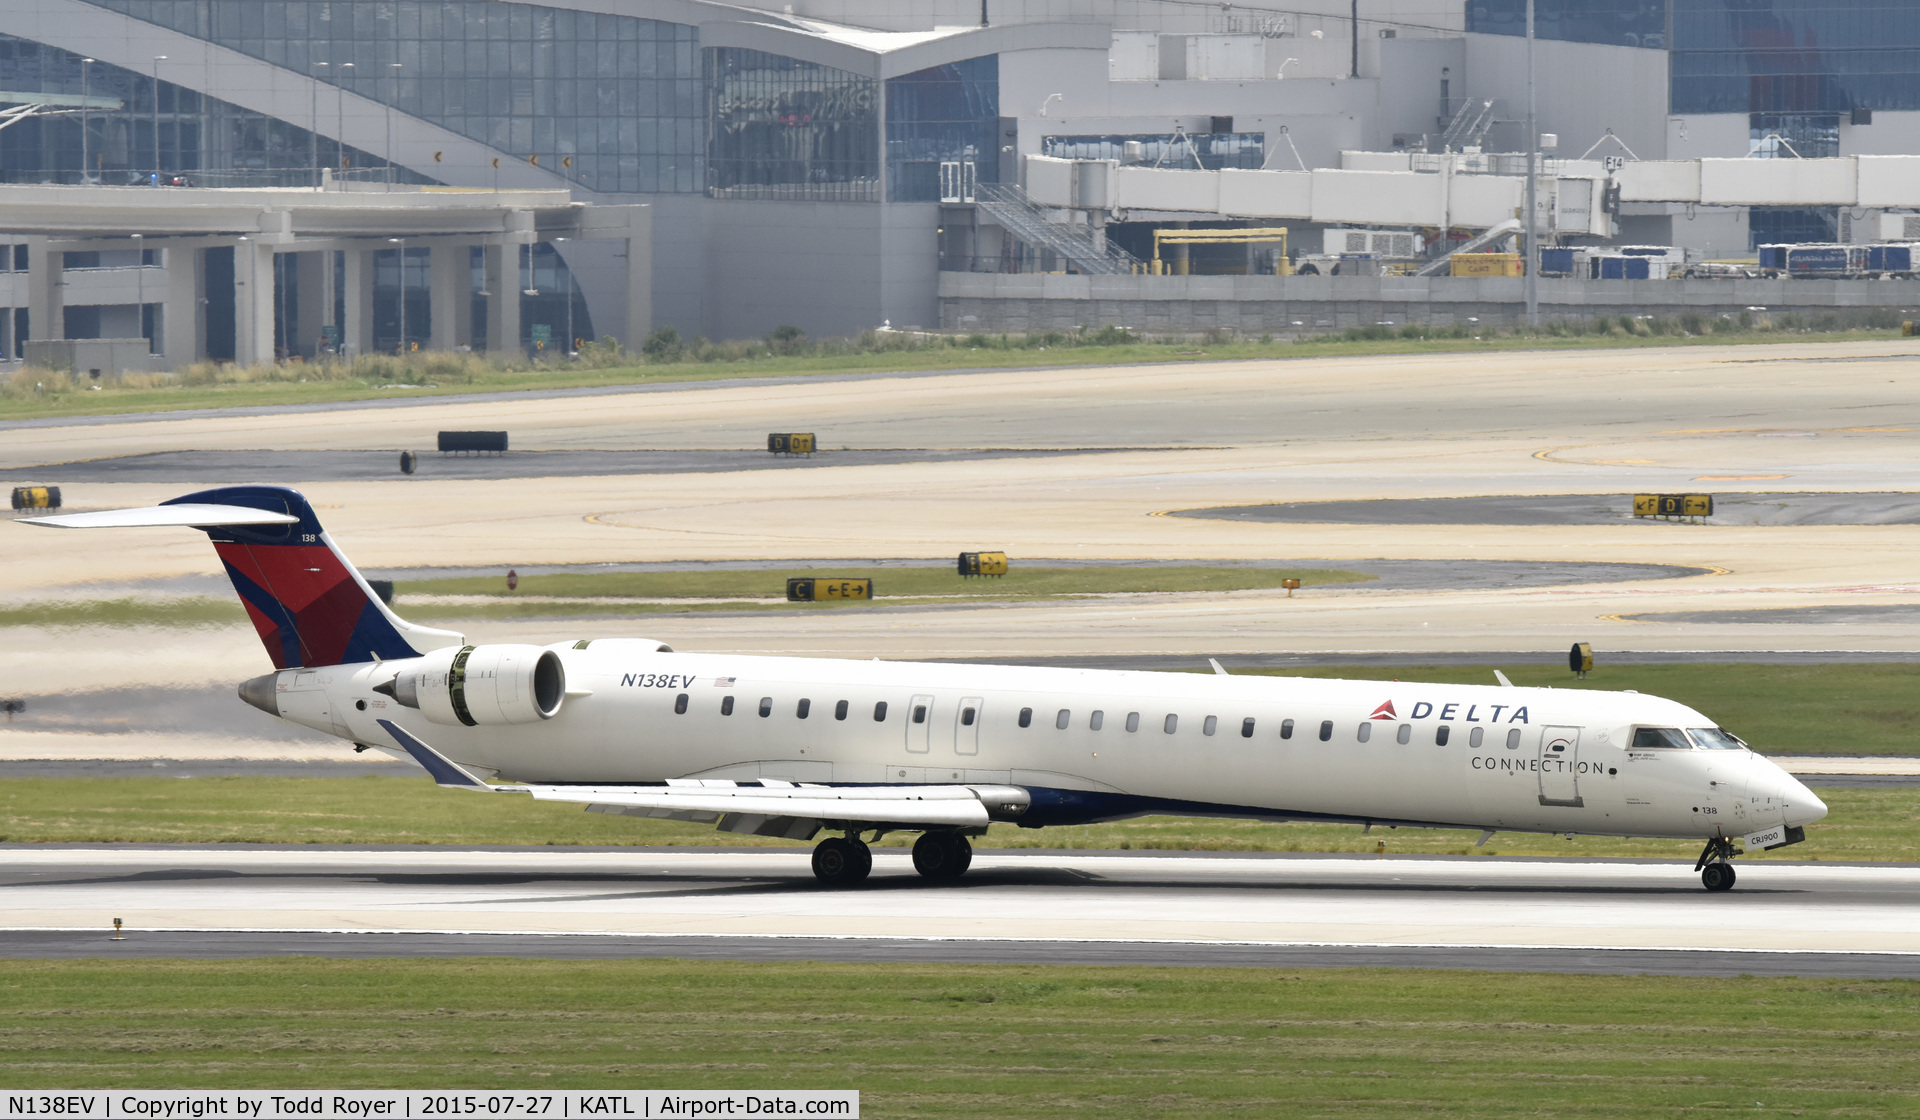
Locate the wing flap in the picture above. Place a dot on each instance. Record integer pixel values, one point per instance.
(948, 806)
(189, 514)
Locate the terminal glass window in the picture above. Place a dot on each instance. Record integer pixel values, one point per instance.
(1792, 225)
(944, 115)
(611, 102)
(201, 140)
(1795, 56)
(781, 128)
(1793, 135)
(1625, 23)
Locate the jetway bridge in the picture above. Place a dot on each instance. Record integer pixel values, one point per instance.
(1471, 190)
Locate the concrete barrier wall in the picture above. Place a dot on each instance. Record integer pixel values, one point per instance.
(1260, 304)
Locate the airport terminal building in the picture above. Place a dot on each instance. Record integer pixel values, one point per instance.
(824, 162)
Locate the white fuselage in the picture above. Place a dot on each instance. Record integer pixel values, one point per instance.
(1098, 744)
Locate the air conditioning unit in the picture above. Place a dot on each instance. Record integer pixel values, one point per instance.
(1394, 244)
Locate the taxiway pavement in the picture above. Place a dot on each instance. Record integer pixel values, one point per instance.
(1055, 906)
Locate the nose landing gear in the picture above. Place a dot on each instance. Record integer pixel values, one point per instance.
(1716, 874)
(842, 862)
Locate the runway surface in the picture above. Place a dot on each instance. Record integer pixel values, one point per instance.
(1735, 508)
(1054, 907)
(217, 468)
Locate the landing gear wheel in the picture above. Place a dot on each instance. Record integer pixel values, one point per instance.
(841, 863)
(1717, 876)
(942, 855)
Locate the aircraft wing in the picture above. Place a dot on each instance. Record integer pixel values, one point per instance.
(948, 806)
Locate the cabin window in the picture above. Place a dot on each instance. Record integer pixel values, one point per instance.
(1513, 739)
(1659, 738)
(1063, 718)
(1246, 728)
(1133, 721)
(1026, 717)
(919, 713)
(1441, 734)
(1326, 730)
(840, 710)
(726, 704)
(1172, 724)
(766, 706)
(802, 708)
(1476, 737)
(1286, 729)
(1715, 739)
(1364, 733)
(680, 704)
(966, 717)
(1095, 720)
(1210, 725)
(880, 712)
(1405, 734)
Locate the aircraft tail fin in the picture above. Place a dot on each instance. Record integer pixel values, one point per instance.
(309, 605)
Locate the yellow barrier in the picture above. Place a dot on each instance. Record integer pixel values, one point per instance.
(804, 590)
(1906, 329)
(36, 497)
(1487, 264)
(1673, 505)
(1580, 658)
(983, 563)
(790, 443)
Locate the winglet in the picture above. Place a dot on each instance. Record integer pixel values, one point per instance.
(1218, 669)
(445, 771)
(1502, 678)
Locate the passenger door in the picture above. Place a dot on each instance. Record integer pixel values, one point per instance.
(966, 726)
(1560, 766)
(920, 725)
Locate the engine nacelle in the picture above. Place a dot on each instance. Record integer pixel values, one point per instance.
(483, 685)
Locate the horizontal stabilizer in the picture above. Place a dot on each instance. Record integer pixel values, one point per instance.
(445, 771)
(183, 514)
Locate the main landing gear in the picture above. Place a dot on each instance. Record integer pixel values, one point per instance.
(1716, 874)
(844, 861)
(942, 855)
(841, 862)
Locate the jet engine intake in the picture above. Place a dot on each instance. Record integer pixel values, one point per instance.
(483, 685)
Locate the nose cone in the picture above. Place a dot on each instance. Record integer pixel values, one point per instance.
(1798, 804)
(262, 692)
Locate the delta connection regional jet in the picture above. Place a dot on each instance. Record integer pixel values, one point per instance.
(794, 746)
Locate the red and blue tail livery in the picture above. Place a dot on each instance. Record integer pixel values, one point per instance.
(307, 602)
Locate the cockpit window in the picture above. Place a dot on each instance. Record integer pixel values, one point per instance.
(1715, 739)
(1666, 738)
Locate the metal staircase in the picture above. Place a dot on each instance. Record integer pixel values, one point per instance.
(1469, 125)
(1008, 207)
(1499, 233)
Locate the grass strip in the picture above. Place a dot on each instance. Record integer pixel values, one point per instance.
(1864, 824)
(183, 611)
(435, 375)
(983, 1040)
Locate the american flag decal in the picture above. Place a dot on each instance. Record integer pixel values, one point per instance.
(723, 682)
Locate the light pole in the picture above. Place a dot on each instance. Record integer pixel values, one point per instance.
(402, 242)
(313, 113)
(340, 112)
(86, 115)
(1531, 261)
(140, 284)
(393, 94)
(157, 60)
(571, 352)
